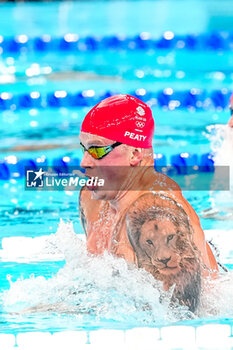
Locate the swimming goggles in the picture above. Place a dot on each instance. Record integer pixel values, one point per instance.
(98, 152)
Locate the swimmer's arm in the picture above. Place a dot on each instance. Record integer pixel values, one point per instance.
(82, 215)
(199, 237)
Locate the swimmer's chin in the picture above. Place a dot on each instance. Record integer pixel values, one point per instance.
(103, 194)
(97, 194)
(94, 194)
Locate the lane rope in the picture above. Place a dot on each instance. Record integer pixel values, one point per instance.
(178, 164)
(193, 99)
(217, 40)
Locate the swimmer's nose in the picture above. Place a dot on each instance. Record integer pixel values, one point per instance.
(164, 261)
(87, 161)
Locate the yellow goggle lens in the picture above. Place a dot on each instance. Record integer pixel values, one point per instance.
(98, 153)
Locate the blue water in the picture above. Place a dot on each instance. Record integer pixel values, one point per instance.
(129, 17)
(37, 214)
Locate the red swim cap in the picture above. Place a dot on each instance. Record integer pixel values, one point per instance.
(121, 118)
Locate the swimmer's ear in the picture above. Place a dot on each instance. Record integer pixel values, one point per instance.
(136, 156)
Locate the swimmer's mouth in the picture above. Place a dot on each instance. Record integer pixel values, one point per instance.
(90, 187)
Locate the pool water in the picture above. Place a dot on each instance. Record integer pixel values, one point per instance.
(45, 270)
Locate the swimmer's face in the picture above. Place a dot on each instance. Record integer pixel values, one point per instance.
(158, 240)
(113, 168)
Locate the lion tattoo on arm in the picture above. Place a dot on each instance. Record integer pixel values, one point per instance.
(162, 238)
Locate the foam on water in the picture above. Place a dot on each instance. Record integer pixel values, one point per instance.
(221, 142)
(109, 288)
(217, 297)
(105, 286)
(217, 301)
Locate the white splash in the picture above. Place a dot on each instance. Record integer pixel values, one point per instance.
(221, 142)
(105, 287)
(217, 299)
(108, 288)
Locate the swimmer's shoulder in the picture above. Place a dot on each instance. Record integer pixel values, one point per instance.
(156, 181)
(167, 183)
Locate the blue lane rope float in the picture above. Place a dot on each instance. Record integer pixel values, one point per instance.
(143, 41)
(167, 98)
(179, 164)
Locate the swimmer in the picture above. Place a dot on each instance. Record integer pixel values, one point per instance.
(116, 138)
(230, 122)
